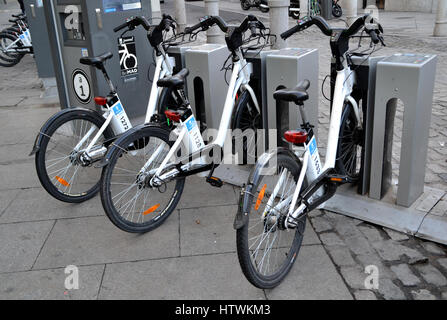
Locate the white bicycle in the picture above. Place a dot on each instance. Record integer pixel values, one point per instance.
(139, 190)
(15, 42)
(74, 139)
(287, 184)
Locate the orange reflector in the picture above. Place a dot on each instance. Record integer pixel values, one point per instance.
(260, 197)
(151, 209)
(337, 179)
(62, 181)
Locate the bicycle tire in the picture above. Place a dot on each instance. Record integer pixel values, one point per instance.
(8, 59)
(116, 152)
(250, 267)
(244, 5)
(245, 119)
(41, 155)
(350, 139)
(337, 11)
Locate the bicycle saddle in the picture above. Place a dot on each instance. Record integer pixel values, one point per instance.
(176, 81)
(96, 61)
(298, 94)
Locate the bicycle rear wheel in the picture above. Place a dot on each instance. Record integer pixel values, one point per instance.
(129, 200)
(58, 167)
(248, 120)
(266, 250)
(350, 145)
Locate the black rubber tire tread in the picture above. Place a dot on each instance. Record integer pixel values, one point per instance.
(243, 252)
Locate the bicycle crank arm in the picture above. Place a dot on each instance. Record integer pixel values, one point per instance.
(326, 180)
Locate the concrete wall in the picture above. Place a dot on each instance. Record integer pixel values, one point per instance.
(411, 5)
(401, 5)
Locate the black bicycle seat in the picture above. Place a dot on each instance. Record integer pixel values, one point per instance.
(96, 61)
(298, 94)
(176, 81)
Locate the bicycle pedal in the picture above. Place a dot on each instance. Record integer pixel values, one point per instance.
(215, 182)
(339, 179)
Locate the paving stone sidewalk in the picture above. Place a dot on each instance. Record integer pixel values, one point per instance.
(192, 256)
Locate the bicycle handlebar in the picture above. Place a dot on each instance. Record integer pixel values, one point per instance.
(327, 30)
(318, 21)
(207, 22)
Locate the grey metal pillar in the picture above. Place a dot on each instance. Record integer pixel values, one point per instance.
(441, 19)
(285, 69)
(214, 34)
(206, 85)
(410, 78)
(351, 11)
(304, 8)
(180, 14)
(279, 20)
(156, 10)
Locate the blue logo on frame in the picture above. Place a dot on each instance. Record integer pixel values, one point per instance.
(191, 124)
(118, 108)
(313, 146)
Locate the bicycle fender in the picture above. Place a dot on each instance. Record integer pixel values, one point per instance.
(106, 160)
(241, 218)
(53, 118)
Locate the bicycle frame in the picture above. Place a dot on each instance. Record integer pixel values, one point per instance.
(312, 170)
(25, 37)
(188, 132)
(116, 114)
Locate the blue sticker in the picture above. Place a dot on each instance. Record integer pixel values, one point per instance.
(313, 146)
(118, 108)
(191, 124)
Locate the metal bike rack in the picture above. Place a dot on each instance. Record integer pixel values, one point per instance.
(364, 94)
(410, 78)
(409, 206)
(178, 54)
(206, 83)
(285, 69)
(80, 28)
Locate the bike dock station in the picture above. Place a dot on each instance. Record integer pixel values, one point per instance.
(81, 28)
(206, 84)
(41, 46)
(404, 205)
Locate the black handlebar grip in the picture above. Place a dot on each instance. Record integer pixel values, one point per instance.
(287, 34)
(194, 27)
(221, 23)
(120, 27)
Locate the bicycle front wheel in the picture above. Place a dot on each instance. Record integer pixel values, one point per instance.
(266, 249)
(128, 198)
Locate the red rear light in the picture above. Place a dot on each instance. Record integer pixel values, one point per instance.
(100, 101)
(296, 137)
(173, 115)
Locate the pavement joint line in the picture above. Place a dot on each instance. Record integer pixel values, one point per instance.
(133, 261)
(10, 203)
(208, 206)
(43, 244)
(179, 234)
(336, 267)
(45, 220)
(100, 283)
